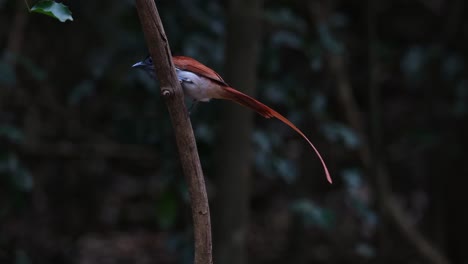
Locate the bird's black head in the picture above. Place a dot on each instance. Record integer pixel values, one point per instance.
(146, 65)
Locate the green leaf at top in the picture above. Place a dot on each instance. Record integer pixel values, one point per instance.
(53, 9)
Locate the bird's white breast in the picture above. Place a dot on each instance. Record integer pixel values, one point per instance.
(197, 87)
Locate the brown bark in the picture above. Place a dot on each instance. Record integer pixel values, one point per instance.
(234, 153)
(172, 92)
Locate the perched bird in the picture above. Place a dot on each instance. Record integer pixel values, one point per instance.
(203, 84)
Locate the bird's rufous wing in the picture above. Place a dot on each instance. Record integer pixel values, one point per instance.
(192, 65)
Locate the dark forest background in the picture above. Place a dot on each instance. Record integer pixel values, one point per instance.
(89, 171)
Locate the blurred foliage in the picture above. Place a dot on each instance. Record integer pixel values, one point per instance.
(52, 9)
(76, 123)
(313, 214)
(7, 74)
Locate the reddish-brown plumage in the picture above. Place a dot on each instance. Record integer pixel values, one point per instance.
(229, 93)
(192, 65)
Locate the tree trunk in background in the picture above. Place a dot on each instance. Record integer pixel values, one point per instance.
(234, 154)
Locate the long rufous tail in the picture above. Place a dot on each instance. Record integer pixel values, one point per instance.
(267, 112)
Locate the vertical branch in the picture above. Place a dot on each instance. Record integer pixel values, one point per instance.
(172, 92)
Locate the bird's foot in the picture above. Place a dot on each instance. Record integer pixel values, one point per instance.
(192, 106)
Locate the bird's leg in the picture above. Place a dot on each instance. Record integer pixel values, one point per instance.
(182, 81)
(193, 105)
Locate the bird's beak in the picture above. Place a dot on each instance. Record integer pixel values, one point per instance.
(138, 65)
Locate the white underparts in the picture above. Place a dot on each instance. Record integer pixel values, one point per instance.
(198, 87)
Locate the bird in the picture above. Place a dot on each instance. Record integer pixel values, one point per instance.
(202, 83)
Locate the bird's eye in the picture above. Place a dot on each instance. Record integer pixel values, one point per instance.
(150, 60)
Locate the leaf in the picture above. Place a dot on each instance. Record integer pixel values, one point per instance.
(286, 18)
(82, 90)
(328, 40)
(204, 133)
(318, 103)
(31, 67)
(312, 214)
(287, 38)
(19, 176)
(452, 66)
(22, 257)
(22, 179)
(413, 62)
(286, 169)
(359, 196)
(262, 141)
(167, 210)
(53, 9)
(365, 250)
(12, 133)
(7, 74)
(339, 132)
